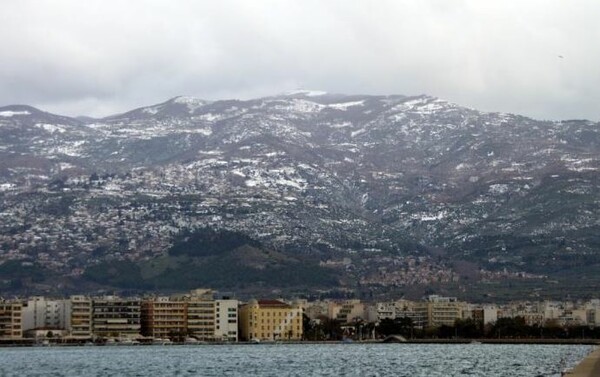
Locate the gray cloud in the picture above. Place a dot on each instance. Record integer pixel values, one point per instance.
(98, 57)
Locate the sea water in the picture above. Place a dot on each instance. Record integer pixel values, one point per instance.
(294, 360)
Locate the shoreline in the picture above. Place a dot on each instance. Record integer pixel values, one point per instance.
(588, 367)
(86, 343)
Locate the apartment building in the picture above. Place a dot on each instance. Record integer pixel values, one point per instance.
(46, 314)
(81, 317)
(226, 319)
(201, 314)
(162, 317)
(115, 317)
(10, 320)
(270, 320)
(443, 310)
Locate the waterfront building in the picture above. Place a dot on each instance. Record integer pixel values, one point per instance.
(443, 310)
(162, 317)
(10, 320)
(81, 317)
(351, 311)
(270, 320)
(114, 317)
(484, 314)
(45, 314)
(226, 319)
(573, 317)
(316, 310)
(201, 314)
(418, 312)
(593, 317)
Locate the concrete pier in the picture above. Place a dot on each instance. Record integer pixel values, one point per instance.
(588, 367)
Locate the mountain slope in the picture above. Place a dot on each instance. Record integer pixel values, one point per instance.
(388, 192)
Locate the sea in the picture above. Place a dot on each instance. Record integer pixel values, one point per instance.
(364, 360)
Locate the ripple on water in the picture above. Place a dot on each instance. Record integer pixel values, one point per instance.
(361, 360)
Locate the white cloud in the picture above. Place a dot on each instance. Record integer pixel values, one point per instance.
(98, 57)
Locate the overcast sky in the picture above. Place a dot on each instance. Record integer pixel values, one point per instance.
(539, 58)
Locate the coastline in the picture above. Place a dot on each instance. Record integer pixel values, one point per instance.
(588, 367)
(82, 343)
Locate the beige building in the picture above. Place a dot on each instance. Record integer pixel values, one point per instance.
(443, 310)
(201, 314)
(269, 320)
(10, 320)
(350, 311)
(81, 317)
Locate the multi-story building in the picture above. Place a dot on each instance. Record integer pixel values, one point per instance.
(226, 319)
(351, 311)
(114, 317)
(201, 314)
(162, 317)
(10, 320)
(270, 320)
(42, 313)
(418, 312)
(81, 317)
(317, 310)
(484, 314)
(443, 310)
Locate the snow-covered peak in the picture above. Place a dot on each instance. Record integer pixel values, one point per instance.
(192, 103)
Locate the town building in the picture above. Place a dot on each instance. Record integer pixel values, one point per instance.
(270, 320)
(81, 317)
(115, 317)
(10, 320)
(226, 319)
(40, 313)
(163, 318)
(443, 310)
(201, 314)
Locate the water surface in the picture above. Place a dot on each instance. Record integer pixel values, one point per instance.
(427, 360)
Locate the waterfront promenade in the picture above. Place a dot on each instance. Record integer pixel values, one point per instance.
(588, 367)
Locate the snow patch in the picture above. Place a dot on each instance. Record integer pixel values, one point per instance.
(9, 113)
(192, 103)
(65, 165)
(7, 186)
(51, 128)
(346, 105)
(341, 125)
(499, 188)
(152, 110)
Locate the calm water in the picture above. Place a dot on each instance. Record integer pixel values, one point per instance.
(293, 360)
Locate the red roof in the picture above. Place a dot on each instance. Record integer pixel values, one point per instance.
(272, 303)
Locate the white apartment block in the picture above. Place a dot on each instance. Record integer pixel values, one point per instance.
(42, 313)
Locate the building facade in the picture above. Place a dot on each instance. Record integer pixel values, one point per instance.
(10, 320)
(81, 317)
(270, 320)
(226, 320)
(114, 317)
(163, 318)
(42, 313)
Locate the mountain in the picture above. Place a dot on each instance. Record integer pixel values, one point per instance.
(351, 194)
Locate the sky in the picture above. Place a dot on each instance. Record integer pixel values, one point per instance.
(538, 58)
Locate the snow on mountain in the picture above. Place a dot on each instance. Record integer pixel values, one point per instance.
(328, 174)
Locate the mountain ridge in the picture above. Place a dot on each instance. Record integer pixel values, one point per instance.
(389, 192)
